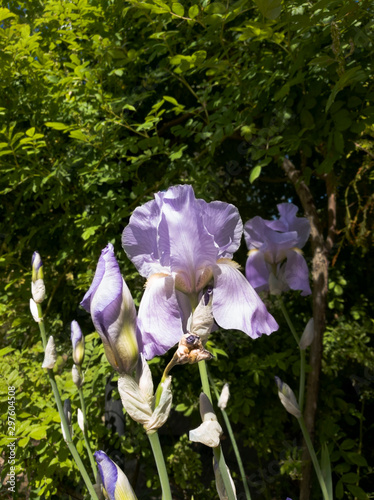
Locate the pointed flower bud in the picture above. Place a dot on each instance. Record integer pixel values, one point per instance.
(115, 483)
(37, 282)
(221, 490)
(209, 431)
(138, 399)
(34, 311)
(224, 397)
(288, 398)
(202, 321)
(113, 313)
(77, 339)
(67, 413)
(77, 376)
(80, 419)
(308, 335)
(50, 355)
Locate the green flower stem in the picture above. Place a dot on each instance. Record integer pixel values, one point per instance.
(218, 453)
(302, 379)
(85, 435)
(314, 459)
(233, 442)
(160, 464)
(69, 441)
(64, 423)
(289, 322)
(302, 354)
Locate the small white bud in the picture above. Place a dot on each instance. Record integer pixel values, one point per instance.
(288, 398)
(67, 413)
(80, 419)
(276, 286)
(308, 335)
(76, 376)
(38, 290)
(202, 321)
(34, 311)
(224, 397)
(50, 355)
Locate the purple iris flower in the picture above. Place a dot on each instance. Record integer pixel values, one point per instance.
(182, 245)
(113, 313)
(275, 251)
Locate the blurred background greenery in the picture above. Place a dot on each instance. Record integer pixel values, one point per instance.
(103, 103)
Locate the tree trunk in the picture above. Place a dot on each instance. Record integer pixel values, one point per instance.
(320, 249)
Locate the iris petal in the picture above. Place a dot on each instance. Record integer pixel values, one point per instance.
(296, 273)
(236, 305)
(256, 270)
(159, 316)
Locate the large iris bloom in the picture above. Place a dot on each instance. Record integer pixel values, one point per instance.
(181, 245)
(275, 251)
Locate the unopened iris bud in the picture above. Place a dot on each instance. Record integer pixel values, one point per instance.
(202, 321)
(50, 355)
(113, 313)
(37, 282)
(80, 419)
(224, 397)
(34, 311)
(67, 413)
(308, 335)
(288, 398)
(77, 377)
(221, 490)
(77, 339)
(116, 486)
(209, 431)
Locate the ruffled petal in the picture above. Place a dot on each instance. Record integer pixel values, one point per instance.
(296, 273)
(256, 270)
(159, 316)
(182, 235)
(288, 221)
(139, 238)
(236, 305)
(223, 222)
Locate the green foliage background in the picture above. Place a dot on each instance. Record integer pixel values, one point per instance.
(103, 103)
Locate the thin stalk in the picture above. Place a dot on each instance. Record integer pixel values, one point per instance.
(64, 423)
(218, 453)
(302, 354)
(85, 435)
(314, 459)
(160, 464)
(69, 441)
(302, 380)
(289, 322)
(233, 442)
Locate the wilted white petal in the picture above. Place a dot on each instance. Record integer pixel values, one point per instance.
(144, 379)
(221, 490)
(76, 376)
(50, 355)
(133, 400)
(207, 433)
(38, 290)
(288, 398)
(80, 419)
(161, 413)
(224, 397)
(308, 335)
(34, 311)
(206, 408)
